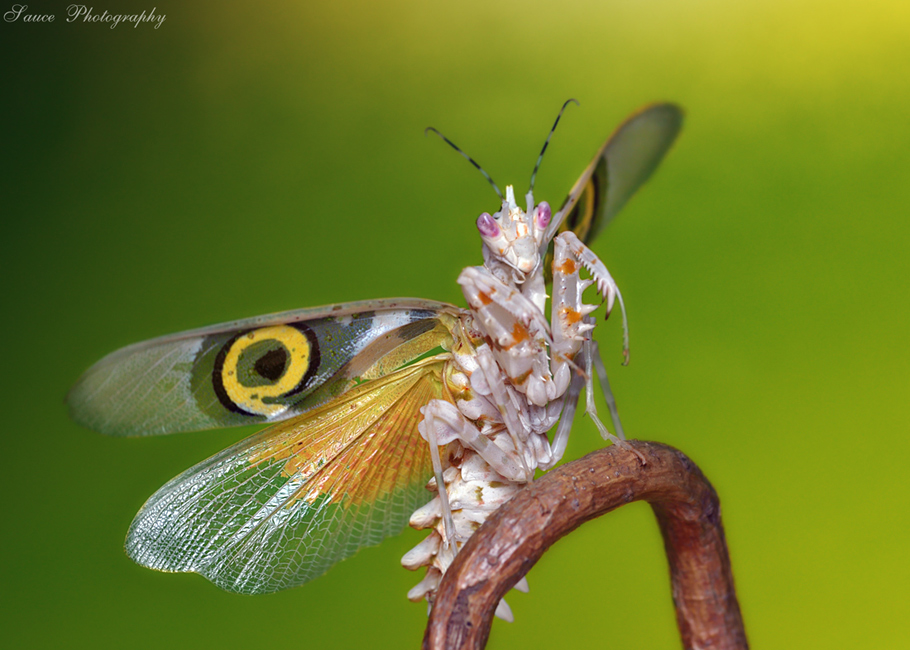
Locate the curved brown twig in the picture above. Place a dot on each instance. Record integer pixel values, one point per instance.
(516, 536)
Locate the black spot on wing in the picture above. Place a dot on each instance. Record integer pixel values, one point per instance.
(272, 364)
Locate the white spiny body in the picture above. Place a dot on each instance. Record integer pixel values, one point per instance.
(509, 377)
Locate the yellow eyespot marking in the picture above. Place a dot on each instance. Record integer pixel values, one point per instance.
(583, 226)
(264, 365)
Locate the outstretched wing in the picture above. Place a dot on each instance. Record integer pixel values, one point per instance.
(281, 507)
(625, 161)
(261, 369)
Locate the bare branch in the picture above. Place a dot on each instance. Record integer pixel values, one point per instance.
(516, 536)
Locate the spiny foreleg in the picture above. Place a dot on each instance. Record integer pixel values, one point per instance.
(570, 254)
(571, 326)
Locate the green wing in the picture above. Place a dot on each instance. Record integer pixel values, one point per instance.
(261, 369)
(279, 508)
(625, 161)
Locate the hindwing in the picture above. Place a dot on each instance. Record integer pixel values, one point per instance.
(282, 506)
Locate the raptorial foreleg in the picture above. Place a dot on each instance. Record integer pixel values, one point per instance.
(568, 312)
(568, 309)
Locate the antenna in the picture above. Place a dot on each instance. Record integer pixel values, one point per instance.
(470, 160)
(550, 135)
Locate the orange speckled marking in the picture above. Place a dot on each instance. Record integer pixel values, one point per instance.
(571, 316)
(520, 333)
(568, 267)
(485, 298)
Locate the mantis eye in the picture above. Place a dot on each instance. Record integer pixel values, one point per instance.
(543, 214)
(487, 226)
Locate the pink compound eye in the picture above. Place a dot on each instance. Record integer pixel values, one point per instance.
(543, 214)
(487, 226)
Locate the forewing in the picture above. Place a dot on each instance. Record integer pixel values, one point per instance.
(281, 507)
(625, 161)
(261, 369)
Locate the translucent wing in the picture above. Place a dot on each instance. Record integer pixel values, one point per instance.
(279, 508)
(625, 161)
(261, 369)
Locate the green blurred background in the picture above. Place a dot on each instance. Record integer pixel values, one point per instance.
(245, 159)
